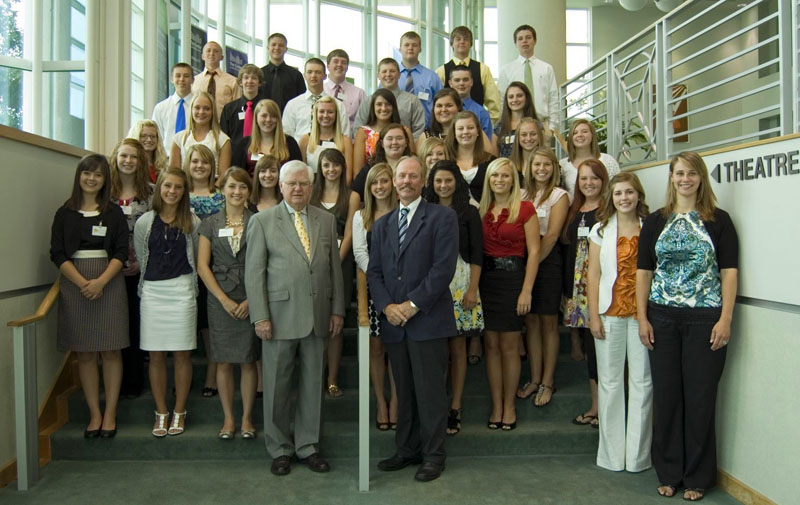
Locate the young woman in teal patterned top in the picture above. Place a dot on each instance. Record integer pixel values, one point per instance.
(685, 292)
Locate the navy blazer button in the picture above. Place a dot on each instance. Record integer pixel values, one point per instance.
(399, 277)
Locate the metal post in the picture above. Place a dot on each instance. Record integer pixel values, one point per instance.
(613, 127)
(663, 93)
(363, 408)
(786, 57)
(26, 406)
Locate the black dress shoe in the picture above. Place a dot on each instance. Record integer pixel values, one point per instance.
(398, 462)
(91, 433)
(316, 463)
(281, 465)
(108, 433)
(428, 471)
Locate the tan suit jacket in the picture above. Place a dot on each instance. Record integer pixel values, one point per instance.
(297, 295)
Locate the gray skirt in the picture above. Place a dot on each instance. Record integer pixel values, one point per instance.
(92, 325)
(231, 340)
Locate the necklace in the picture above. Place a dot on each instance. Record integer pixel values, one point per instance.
(233, 224)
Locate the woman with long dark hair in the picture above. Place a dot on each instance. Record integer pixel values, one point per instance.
(331, 193)
(89, 245)
(446, 187)
(517, 104)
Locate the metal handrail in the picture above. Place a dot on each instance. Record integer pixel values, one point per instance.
(363, 381)
(26, 403)
(637, 100)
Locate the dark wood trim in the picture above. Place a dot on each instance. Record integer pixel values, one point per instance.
(52, 416)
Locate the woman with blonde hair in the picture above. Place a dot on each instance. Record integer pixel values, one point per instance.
(380, 198)
(267, 138)
(686, 282)
(326, 132)
(146, 131)
(510, 263)
(202, 128)
(166, 240)
(527, 138)
(541, 323)
(431, 150)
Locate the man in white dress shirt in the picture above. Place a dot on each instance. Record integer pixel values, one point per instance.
(337, 85)
(166, 112)
(537, 75)
(297, 114)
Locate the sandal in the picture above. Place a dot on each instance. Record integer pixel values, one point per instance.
(454, 421)
(178, 423)
(494, 425)
(160, 426)
(473, 359)
(669, 492)
(584, 420)
(248, 434)
(523, 393)
(543, 389)
(334, 391)
(699, 494)
(225, 435)
(208, 392)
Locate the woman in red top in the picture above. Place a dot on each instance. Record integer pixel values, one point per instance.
(510, 262)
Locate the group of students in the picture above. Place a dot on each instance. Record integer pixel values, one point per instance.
(538, 237)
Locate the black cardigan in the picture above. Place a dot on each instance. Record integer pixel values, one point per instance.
(65, 237)
(470, 237)
(721, 229)
(239, 154)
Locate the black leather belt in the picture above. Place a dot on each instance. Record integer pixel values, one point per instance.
(509, 263)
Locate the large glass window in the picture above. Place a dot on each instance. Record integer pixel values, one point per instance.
(137, 60)
(12, 28)
(286, 17)
(490, 50)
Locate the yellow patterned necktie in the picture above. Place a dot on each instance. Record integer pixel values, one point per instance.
(302, 233)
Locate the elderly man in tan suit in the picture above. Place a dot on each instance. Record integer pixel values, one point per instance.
(293, 279)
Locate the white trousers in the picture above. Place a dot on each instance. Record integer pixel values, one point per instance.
(623, 446)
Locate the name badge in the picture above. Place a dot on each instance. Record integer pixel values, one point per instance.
(241, 116)
(127, 210)
(340, 96)
(423, 95)
(510, 139)
(225, 232)
(583, 231)
(256, 156)
(99, 231)
(328, 144)
(340, 242)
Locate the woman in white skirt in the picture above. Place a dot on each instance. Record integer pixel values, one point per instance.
(88, 244)
(166, 240)
(611, 291)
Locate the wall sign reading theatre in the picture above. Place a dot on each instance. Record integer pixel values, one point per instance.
(769, 165)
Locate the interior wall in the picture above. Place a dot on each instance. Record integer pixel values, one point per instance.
(757, 405)
(38, 180)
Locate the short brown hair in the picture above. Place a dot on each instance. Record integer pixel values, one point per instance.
(524, 28)
(250, 69)
(338, 53)
(461, 31)
(411, 35)
(389, 61)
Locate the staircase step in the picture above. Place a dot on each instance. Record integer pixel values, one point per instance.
(339, 439)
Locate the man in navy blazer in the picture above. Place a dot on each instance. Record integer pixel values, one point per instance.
(411, 263)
